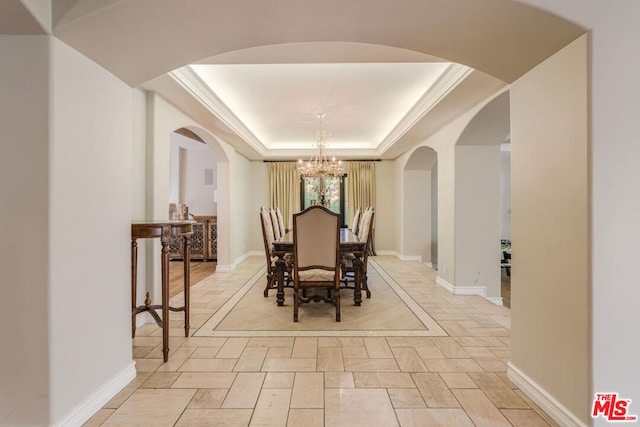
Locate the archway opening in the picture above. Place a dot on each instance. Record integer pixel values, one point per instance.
(420, 207)
(478, 200)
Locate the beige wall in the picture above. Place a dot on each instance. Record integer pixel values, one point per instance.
(550, 281)
(386, 207)
(240, 200)
(24, 160)
(385, 231)
(417, 215)
(90, 208)
(443, 142)
(477, 220)
(162, 119)
(259, 197)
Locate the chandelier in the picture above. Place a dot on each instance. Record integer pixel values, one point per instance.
(325, 173)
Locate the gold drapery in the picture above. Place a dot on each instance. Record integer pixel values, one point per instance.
(362, 186)
(284, 189)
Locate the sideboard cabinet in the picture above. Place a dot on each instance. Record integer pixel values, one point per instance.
(204, 240)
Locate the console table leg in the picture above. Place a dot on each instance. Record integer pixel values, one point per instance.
(187, 282)
(165, 299)
(134, 284)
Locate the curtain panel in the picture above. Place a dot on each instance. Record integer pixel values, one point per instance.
(284, 189)
(362, 186)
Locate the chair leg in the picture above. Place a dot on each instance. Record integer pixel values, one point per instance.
(270, 278)
(336, 298)
(365, 285)
(296, 302)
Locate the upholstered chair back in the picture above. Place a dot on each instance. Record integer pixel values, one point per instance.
(267, 227)
(365, 224)
(356, 221)
(316, 238)
(283, 228)
(274, 223)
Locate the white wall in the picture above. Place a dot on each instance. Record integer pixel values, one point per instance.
(417, 215)
(550, 204)
(477, 219)
(259, 188)
(139, 183)
(434, 216)
(24, 252)
(419, 206)
(197, 195)
(243, 211)
(89, 228)
(163, 119)
(443, 142)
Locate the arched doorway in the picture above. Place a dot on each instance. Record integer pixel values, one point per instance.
(193, 195)
(478, 200)
(220, 196)
(420, 207)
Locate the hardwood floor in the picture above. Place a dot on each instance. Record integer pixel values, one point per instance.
(199, 271)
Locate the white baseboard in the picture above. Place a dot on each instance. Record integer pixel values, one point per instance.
(428, 264)
(387, 252)
(230, 268)
(410, 258)
(470, 290)
(143, 318)
(542, 398)
(496, 300)
(240, 259)
(99, 398)
(467, 290)
(445, 285)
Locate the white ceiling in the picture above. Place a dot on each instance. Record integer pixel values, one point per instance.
(363, 103)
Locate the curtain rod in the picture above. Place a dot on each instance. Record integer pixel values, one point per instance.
(351, 160)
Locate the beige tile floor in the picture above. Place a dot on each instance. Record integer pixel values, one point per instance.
(458, 379)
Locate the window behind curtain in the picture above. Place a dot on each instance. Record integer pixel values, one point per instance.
(339, 205)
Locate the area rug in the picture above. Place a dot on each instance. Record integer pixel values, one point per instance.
(389, 312)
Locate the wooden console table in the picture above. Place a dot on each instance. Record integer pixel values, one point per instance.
(204, 240)
(164, 230)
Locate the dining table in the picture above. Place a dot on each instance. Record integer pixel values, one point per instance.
(350, 243)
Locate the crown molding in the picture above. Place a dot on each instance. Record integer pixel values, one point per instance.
(188, 79)
(448, 80)
(192, 83)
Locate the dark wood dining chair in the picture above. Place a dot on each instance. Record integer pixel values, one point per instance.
(316, 258)
(268, 238)
(347, 267)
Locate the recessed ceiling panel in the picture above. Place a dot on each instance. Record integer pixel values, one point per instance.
(361, 103)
